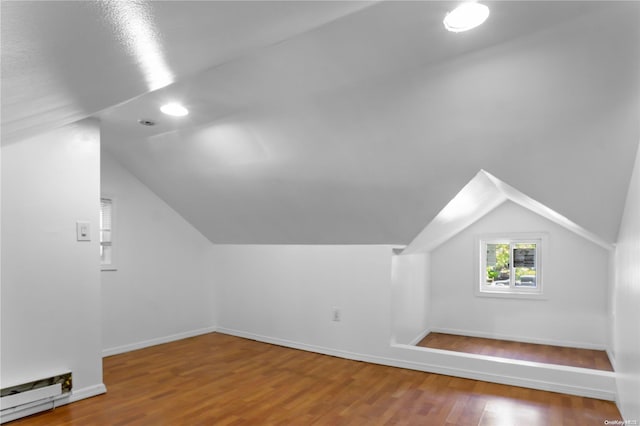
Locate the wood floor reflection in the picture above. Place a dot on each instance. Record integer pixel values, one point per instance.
(216, 379)
(584, 358)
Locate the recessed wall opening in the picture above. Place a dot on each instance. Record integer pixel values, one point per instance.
(505, 279)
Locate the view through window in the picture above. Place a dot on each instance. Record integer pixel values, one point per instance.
(510, 266)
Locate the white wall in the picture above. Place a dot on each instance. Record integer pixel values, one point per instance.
(288, 292)
(50, 281)
(575, 274)
(410, 289)
(284, 294)
(627, 301)
(161, 289)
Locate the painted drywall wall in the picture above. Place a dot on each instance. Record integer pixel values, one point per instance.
(626, 302)
(160, 289)
(50, 281)
(410, 297)
(290, 291)
(285, 294)
(574, 311)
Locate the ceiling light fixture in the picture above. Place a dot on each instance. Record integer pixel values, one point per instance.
(465, 17)
(174, 109)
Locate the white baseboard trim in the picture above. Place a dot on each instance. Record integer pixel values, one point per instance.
(563, 343)
(297, 345)
(85, 393)
(36, 407)
(419, 337)
(157, 341)
(612, 359)
(606, 394)
(589, 392)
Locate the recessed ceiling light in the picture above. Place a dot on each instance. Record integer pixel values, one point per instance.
(174, 109)
(465, 17)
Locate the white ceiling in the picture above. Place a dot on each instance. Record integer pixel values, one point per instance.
(66, 60)
(339, 122)
(480, 196)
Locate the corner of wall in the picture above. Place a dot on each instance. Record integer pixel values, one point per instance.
(626, 299)
(49, 182)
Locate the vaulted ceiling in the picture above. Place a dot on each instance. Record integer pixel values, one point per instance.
(337, 122)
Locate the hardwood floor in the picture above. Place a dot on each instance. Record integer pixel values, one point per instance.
(574, 357)
(216, 379)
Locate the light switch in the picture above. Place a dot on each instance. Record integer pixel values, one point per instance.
(83, 231)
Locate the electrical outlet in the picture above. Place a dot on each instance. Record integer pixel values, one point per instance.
(337, 315)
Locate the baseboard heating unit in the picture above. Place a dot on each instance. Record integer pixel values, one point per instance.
(33, 396)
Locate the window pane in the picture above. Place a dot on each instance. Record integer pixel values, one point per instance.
(105, 236)
(105, 255)
(524, 262)
(106, 219)
(497, 266)
(105, 213)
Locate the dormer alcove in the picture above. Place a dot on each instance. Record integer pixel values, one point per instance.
(437, 276)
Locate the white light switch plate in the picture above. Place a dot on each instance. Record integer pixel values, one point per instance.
(83, 231)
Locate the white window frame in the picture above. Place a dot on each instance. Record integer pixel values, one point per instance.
(482, 290)
(109, 266)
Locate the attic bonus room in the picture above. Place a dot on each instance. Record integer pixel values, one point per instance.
(320, 212)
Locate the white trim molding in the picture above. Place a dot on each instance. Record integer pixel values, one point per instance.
(157, 341)
(419, 337)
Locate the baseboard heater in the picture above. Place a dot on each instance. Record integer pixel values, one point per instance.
(34, 396)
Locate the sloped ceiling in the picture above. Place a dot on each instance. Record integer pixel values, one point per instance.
(355, 124)
(65, 60)
(483, 194)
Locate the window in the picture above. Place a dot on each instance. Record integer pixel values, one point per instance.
(106, 233)
(510, 266)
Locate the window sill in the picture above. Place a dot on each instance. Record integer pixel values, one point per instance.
(511, 295)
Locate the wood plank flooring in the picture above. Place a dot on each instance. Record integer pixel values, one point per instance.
(585, 358)
(216, 379)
